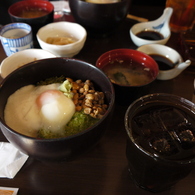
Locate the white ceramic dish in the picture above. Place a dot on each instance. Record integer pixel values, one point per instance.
(161, 25)
(21, 58)
(171, 55)
(62, 29)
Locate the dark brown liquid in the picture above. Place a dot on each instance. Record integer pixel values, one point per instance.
(163, 62)
(175, 139)
(166, 130)
(150, 35)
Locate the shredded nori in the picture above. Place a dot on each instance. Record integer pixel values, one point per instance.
(52, 80)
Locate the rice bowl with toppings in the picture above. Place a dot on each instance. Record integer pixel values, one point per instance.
(65, 147)
(60, 109)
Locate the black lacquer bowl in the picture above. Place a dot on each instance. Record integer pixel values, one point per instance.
(99, 18)
(62, 148)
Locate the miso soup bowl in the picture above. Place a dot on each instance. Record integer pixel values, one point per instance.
(35, 22)
(62, 148)
(125, 94)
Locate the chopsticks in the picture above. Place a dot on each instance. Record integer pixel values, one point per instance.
(139, 19)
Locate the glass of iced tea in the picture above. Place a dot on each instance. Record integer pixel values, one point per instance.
(183, 16)
(161, 140)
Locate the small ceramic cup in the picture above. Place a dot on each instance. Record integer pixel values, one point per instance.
(16, 37)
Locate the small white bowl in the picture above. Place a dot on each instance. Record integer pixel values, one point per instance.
(62, 29)
(160, 25)
(170, 54)
(21, 58)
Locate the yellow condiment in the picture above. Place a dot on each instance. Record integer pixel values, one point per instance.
(60, 40)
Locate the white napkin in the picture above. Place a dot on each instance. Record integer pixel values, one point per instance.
(11, 160)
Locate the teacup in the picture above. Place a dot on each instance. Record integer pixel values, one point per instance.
(16, 37)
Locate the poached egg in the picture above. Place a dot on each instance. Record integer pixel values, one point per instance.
(32, 108)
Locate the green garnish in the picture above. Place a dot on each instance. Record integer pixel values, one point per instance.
(120, 78)
(79, 122)
(66, 87)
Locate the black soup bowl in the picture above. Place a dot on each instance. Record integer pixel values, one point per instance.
(99, 18)
(57, 149)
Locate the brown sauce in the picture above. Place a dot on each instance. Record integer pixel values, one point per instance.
(163, 62)
(150, 35)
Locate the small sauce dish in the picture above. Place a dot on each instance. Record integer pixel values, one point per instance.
(157, 31)
(169, 60)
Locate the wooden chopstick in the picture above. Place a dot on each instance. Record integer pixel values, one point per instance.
(139, 19)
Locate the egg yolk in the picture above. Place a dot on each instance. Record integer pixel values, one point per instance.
(56, 109)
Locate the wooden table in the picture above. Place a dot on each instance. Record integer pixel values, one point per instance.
(103, 170)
